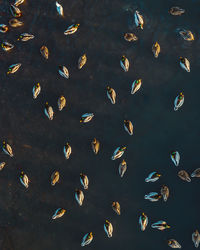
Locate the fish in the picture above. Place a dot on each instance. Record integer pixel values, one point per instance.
(196, 173)
(124, 62)
(196, 238)
(108, 228)
(25, 37)
(164, 192)
(7, 149)
(156, 49)
(119, 151)
(143, 221)
(173, 243)
(55, 178)
(136, 85)
(160, 225)
(7, 46)
(95, 146)
(139, 21)
(122, 168)
(14, 68)
(84, 181)
(87, 239)
(18, 2)
(128, 126)
(71, 29)
(116, 207)
(48, 110)
(64, 72)
(184, 176)
(79, 196)
(24, 179)
(82, 61)
(153, 196)
(152, 177)
(87, 117)
(178, 102)
(36, 90)
(176, 11)
(67, 150)
(59, 9)
(15, 23)
(58, 213)
(185, 64)
(3, 28)
(175, 157)
(61, 102)
(111, 94)
(130, 37)
(186, 35)
(15, 11)
(44, 51)
(2, 165)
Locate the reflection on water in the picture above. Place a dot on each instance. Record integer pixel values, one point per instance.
(25, 215)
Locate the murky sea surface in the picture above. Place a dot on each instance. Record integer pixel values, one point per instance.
(25, 215)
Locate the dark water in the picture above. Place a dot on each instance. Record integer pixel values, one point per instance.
(25, 215)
